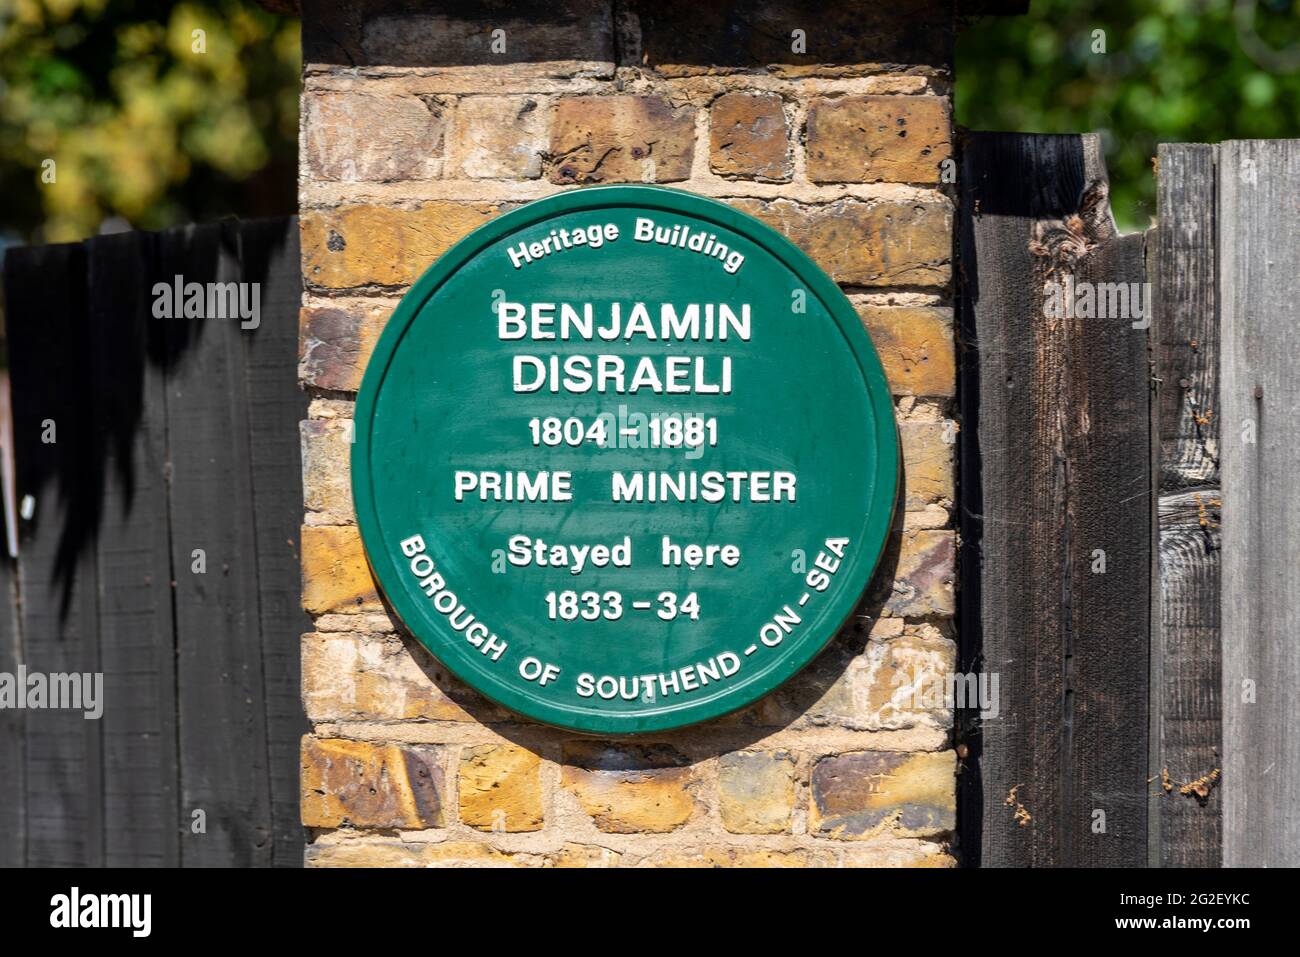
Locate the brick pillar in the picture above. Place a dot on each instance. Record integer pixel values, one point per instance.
(416, 128)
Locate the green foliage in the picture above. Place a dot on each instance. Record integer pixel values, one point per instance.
(1173, 71)
(154, 112)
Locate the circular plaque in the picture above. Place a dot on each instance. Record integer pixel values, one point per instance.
(625, 459)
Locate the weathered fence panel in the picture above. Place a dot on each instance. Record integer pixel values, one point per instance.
(1056, 484)
(46, 317)
(208, 406)
(13, 827)
(1186, 714)
(1259, 219)
(273, 400)
(161, 552)
(135, 612)
(1057, 412)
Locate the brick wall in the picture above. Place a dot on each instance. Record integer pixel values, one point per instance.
(414, 132)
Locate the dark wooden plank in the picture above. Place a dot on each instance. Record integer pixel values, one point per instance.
(45, 294)
(1055, 472)
(1259, 281)
(1186, 710)
(203, 700)
(1107, 393)
(269, 257)
(219, 663)
(133, 554)
(13, 799)
(10, 503)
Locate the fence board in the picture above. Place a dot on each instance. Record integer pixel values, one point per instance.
(270, 257)
(222, 729)
(1185, 656)
(46, 296)
(173, 434)
(131, 548)
(13, 826)
(1260, 285)
(1055, 471)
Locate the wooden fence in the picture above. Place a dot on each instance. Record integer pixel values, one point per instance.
(157, 465)
(1138, 724)
(1129, 535)
(1259, 285)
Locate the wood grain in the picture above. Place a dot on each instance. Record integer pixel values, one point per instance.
(218, 645)
(131, 548)
(172, 435)
(45, 289)
(1055, 472)
(13, 827)
(269, 256)
(1259, 182)
(1186, 709)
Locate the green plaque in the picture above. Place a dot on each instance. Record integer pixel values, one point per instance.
(625, 459)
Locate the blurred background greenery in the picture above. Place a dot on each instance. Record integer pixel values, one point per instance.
(153, 114)
(147, 127)
(1173, 71)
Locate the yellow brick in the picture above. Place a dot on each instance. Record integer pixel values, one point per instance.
(924, 575)
(916, 348)
(326, 467)
(364, 245)
(364, 784)
(872, 139)
(629, 788)
(756, 791)
(620, 139)
(500, 788)
(743, 857)
(898, 853)
(865, 794)
(866, 244)
(385, 853)
(903, 679)
(389, 852)
(356, 136)
(499, 137)
(927, 462)
(468, 854)
(357, 677)
(748, 137)
(335, 575)
(583, 855)
(335, 344)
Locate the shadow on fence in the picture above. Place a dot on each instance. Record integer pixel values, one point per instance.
(157, 464)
